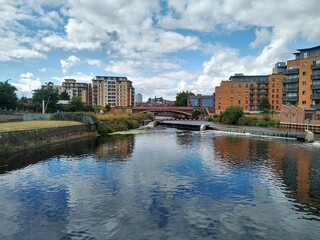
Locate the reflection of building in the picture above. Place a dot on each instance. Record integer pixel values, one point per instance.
(201, 101)
(112, 91)
(115, 148)
(295, 166)
(76, 89)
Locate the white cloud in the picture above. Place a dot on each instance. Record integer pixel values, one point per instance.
(263, 37)
(95, 62)
(27, 84)
(69, 63)
(142, 38)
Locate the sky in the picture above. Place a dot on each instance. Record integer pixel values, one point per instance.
(162, 46)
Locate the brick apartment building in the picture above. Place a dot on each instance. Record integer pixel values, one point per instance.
(302, 84)
(241, 90)
(294, 83)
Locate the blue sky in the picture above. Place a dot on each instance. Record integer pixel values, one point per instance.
(163, 46)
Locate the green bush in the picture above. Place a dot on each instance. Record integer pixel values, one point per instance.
(261, 123)
(245, 121)
(231, 115)
(273, 123)
(75, 116)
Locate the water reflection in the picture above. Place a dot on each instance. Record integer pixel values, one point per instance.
(113, 148)
(292, 162)
(166, 184)
(24, 158)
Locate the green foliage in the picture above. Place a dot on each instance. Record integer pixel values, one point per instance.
(76, 104)
(8, 96)
(195, 114)
(75, 116)
(64, 96)
(182, 98)
(263, 104)
(108, 108)
(246, 121)
(231, 115)
(117, 124)
(49, 95)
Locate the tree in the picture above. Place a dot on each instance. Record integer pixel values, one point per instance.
(231, 115)
(64, 96)
(195, 114)
(76, 104)
(8, 96)
(49, 95)
(182, 98)
(263, 104)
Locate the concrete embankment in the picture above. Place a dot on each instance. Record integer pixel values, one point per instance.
(13, 141)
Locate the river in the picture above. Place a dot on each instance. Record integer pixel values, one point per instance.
(164, 184)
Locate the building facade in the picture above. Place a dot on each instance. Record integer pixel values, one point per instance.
(138, 98)
(302, 83)
(241, 90)
(76, 89)
(112, 91)
(202, 101)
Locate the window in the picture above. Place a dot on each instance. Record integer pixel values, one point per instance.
(305, 55)
(304, 102)
(304, 83)
(304, 73)
(304, 92)
(305, 63)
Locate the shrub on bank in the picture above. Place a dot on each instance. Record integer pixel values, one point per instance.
(75, 116)
(117, 124)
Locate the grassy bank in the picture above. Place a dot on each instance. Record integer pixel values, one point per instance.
(26, 125)
(111, 123)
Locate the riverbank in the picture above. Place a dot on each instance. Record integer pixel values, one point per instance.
(20, 136)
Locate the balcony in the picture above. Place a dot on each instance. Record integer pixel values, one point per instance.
(251, 92)
(290, 99)
(252, 98)
(291, 71)
(315, 66)
(291, 80)
(262, 93)
(316, 106)
(263, 87)
(315, 96)
(315, 76)
(251, 87)
(290, 89)
(251, 104)
(315, 86)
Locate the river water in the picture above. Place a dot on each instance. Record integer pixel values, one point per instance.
(165, 184)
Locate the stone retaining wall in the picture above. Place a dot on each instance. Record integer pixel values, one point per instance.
(25, 139)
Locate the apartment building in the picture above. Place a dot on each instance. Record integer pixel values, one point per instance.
(112, 91)
(302, 83)
(275, 84)
(76, 89)
(241, 90)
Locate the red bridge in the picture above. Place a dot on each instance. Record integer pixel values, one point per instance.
(167, 111)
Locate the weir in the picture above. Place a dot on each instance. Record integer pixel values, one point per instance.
(202, 125)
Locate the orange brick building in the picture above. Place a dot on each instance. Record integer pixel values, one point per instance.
(241, 90)
(247, 91)
(302, 84)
